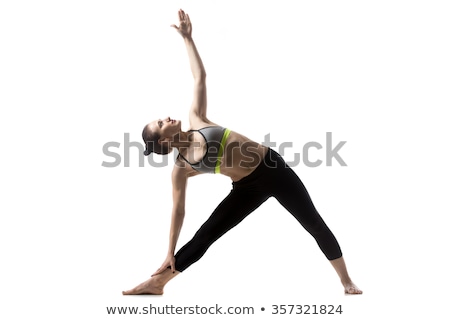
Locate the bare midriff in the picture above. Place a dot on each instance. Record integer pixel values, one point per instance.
(241, 156)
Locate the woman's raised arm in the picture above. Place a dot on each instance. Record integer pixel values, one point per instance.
(199, 103)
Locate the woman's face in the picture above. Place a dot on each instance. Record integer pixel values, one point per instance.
(167, 127)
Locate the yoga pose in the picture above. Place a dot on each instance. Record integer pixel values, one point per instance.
(257, 173)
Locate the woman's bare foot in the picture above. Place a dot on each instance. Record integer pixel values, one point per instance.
(147, 287)
(154, 285)
(351, 288)
(341, 269)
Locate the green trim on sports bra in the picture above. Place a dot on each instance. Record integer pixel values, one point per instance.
(221, 148)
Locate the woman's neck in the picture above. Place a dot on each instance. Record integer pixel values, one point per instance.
(182, 140)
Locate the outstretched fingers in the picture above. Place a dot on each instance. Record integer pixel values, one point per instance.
(183, 21)
(182, 15)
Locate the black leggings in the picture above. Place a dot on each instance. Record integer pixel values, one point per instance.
(272, 177)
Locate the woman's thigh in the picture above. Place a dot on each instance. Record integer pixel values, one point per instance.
(229, 213)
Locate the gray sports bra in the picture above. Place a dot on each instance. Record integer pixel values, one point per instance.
(215, 137)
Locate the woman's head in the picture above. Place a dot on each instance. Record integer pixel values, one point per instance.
(158, 134)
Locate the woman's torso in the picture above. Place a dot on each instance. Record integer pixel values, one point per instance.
(238, 158)
(241, 156)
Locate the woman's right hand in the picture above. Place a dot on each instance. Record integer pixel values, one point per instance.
(185, 27)
(169, 262)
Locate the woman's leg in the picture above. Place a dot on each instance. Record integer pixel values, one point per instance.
(341, 269)
(292, 194)
(232, 210)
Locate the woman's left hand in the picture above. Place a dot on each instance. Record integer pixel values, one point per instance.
(185, 27)
(169, 262)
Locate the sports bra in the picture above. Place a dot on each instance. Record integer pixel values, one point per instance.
(215, 137)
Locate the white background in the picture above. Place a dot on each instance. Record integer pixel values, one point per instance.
(77, 74)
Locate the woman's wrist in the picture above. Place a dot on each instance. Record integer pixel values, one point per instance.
(187, 38)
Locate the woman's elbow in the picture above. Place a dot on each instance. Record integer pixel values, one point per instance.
(201, 76)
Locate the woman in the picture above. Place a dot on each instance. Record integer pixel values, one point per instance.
(257, 173)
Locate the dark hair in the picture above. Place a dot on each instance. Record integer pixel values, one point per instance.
(151, 142)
